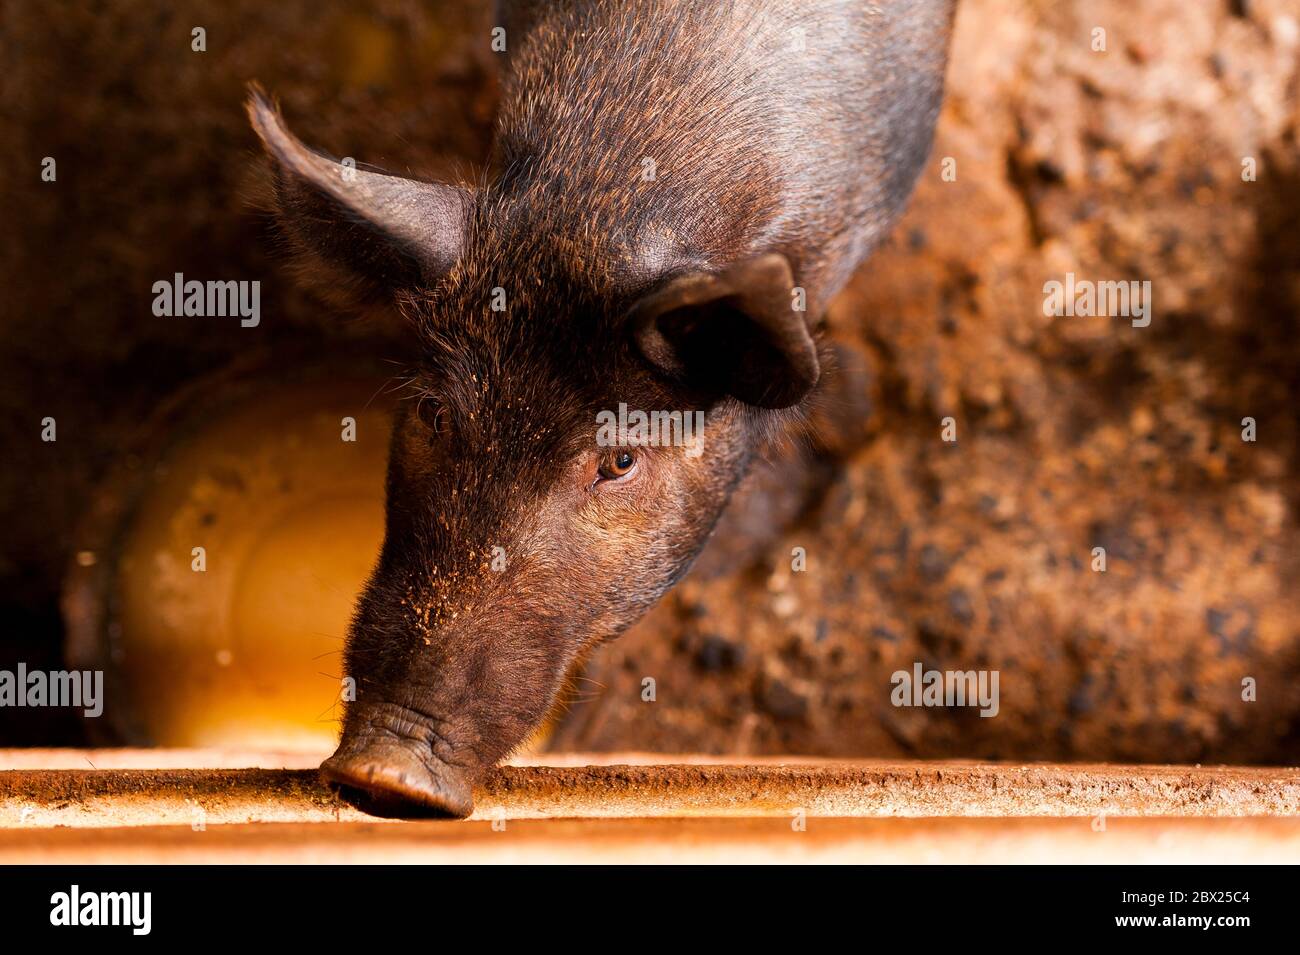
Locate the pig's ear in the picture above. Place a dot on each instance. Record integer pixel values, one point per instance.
(733, 332)
(382, 232)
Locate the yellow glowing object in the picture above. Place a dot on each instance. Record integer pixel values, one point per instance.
(237, 571)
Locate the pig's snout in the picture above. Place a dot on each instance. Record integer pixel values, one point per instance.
(390, 774)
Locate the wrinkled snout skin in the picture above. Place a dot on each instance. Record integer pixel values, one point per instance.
(676, 192)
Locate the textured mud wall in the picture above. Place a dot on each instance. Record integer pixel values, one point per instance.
(1072, 433)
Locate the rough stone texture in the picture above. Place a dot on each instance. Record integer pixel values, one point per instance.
(637, 807)
(1072, 433)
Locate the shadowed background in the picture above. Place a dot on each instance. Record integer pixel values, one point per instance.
(1072, 433)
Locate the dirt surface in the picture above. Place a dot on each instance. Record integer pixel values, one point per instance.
(678, 841)
(169, 758)
(1072, 433)
(637, 808)
(690, 787)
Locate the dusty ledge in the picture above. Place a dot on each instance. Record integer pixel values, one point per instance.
(886, 841)
(32, 798)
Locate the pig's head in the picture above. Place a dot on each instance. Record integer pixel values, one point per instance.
(516, 539)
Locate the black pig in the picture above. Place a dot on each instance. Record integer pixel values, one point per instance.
(677, 191)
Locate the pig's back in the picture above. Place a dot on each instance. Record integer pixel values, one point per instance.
(677, 134)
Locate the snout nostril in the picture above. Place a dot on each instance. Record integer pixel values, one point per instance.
(388, 779)
(387, 805)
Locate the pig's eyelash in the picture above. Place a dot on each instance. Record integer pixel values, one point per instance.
(432, 412)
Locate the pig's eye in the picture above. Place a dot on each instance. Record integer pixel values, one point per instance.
(620, 465)
(432, 413)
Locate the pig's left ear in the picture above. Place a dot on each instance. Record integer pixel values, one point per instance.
(382, 232)
(733, 332)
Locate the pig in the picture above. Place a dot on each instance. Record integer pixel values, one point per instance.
(675, 192)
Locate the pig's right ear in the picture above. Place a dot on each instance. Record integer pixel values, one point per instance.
(381, 233)
(734, 332)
